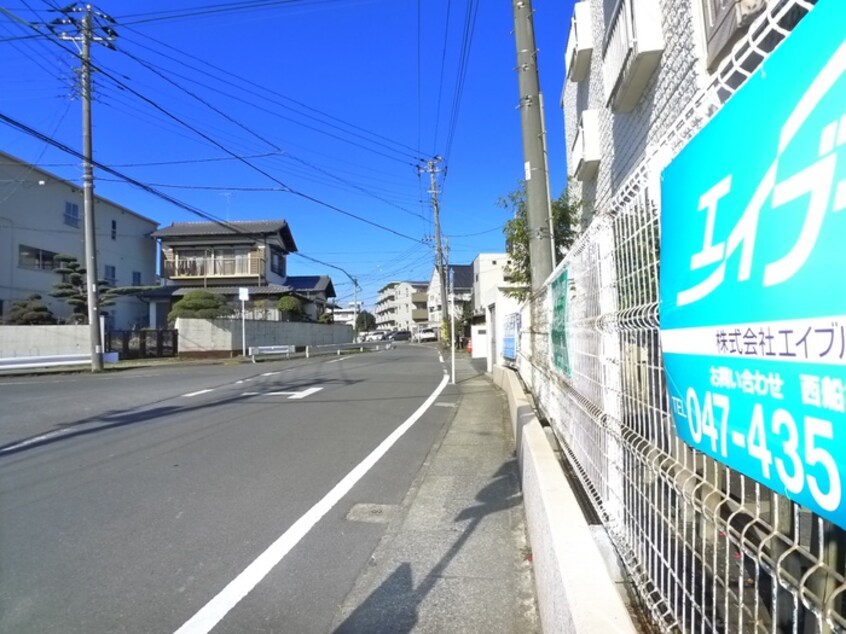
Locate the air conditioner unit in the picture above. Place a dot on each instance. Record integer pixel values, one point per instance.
(633, 47)
(579, 43)
(586, 152)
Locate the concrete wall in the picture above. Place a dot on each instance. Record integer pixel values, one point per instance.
(36, 341)
(576, 587)
(224, 335)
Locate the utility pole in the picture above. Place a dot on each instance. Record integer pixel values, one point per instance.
(434, 170)
(537, 187)
(81, 33)
(355, 307)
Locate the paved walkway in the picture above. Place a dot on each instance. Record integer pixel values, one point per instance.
(456, 558)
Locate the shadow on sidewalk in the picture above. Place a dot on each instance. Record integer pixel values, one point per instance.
(393, 606)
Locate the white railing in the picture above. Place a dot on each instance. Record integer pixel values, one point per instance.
(231, 266)
(707, 549)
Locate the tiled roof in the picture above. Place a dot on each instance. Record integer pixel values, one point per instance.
(250, 228)
(312, 283)
(179, 291)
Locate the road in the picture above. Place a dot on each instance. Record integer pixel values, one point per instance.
(135, 501)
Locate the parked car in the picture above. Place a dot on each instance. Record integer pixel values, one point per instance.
(400, 335)
(427, 334)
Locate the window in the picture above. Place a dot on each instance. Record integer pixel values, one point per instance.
(136, 278)
(72, 215)
(725, 21)
(114, 229)
(277, 263)
(32, 258)
(110, 275)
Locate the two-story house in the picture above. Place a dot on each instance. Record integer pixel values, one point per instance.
(461, 276)
(227, 256)
(41, 216)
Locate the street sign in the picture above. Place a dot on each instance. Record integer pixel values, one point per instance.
(244, 294)
(753, 312)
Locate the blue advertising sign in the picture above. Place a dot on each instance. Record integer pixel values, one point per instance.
(511, 336)
(753, 256)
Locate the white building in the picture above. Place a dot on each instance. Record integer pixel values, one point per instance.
(488, 286)
(349, 314)
(488, 276)
(41, 216)
(401, 306)
(624, 95)
(462, 281)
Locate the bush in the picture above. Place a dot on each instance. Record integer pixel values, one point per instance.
(30, 312)
(200, 305)
(290, 307)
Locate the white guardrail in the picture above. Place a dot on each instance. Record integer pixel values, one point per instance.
(255, 352)
(48, 361)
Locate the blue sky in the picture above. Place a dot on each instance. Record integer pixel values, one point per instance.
(329, 105)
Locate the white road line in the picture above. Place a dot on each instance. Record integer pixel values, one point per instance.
(291, 395)
(338, 359)
(306, 392)
(213, 612)
(33, 441)
(270, 374)
(197, 393)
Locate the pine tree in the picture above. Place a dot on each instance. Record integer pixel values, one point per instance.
(30, 311)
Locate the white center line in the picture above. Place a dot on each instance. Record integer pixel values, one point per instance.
(213, 612)
(197, 393)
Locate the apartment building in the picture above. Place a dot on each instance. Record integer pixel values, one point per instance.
(401, 306)
(41, 216)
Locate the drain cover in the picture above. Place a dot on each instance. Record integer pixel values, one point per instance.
(375, 513)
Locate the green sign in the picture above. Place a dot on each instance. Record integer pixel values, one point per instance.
(558, 323)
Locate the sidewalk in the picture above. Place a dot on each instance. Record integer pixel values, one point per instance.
(456, 558)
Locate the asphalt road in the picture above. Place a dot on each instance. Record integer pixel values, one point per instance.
(129, 501)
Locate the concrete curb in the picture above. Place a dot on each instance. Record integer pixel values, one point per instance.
(576, 593)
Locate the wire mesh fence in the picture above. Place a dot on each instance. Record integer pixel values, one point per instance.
(707, 548)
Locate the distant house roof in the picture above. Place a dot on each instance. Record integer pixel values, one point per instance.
(462, 275)
(311, 284)
(254, 228)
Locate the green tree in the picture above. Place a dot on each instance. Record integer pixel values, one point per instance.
(73, 290)
(326, 318)
(291, 307)
(200, 304)
(30, 311)
(365, 322)
(565, 213)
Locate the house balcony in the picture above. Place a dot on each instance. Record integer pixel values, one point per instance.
(419, 298)
(579, 43)
(213, 267)
(586, 152)
(420, 314)
(632, 51)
